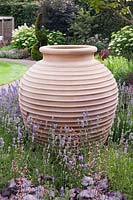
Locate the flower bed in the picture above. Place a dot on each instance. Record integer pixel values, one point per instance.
(97, 172)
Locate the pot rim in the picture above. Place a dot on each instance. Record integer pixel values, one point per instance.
(68, 49)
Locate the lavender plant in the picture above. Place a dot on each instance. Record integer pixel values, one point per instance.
(123, 123)
(67, 165)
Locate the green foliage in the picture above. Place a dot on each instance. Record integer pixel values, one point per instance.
(35, 53)
(6, 48)
(98, 5)
(117, 165)
(45, 36)
(98, 41)
(82, 26)
(55, 37)
(110, 4)
(41, 38)
(14, 53)
(122, 42)
(123, 127)
(24, 37)
(40, 31)
(11, 52)
(121, 8)
(21, 11)
(105, 23)
(120, 67)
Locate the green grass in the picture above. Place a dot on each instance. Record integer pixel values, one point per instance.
(11, 71)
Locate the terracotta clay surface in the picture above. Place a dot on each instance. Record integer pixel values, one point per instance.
(70, 90)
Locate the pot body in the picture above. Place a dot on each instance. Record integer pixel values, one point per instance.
(70, 91)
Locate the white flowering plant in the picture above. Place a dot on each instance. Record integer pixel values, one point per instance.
(122, 42)
(24, 37)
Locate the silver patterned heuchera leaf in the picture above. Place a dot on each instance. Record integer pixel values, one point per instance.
(87, 180)
(103, 184)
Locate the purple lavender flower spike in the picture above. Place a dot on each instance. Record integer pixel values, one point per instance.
(1, 143)
(84, 166)
(81, 158)
(36, 171)
(62, 194)
(131, 100)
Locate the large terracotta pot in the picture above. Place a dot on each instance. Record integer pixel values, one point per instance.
(72, 87)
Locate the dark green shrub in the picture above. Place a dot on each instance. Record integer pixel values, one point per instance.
(105, 23)
(82, 26)
(40, 31)
(44, 37)
(122, 42)
(35, 53)
(41, 36)
(98, 41)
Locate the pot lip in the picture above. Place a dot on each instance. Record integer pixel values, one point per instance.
(68, 49)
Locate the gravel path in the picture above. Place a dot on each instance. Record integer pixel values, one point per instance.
(29, 63)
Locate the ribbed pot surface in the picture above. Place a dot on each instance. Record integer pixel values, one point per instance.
(71, 91)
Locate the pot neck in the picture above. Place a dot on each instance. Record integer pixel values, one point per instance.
(66, 58)
(68, 53)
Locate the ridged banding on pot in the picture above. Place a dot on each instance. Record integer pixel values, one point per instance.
(66, 85)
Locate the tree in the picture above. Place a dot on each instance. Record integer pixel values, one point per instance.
(82, 26)
(122, 8)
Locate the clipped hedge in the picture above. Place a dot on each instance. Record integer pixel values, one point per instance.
(22, 12)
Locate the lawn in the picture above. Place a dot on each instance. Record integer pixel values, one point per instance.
(10, 71)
